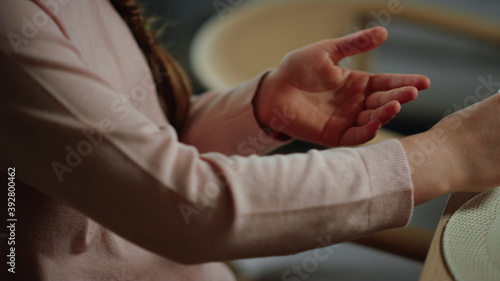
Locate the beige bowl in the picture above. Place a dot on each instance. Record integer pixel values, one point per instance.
(232, 49)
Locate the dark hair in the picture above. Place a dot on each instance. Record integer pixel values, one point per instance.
(172, 85)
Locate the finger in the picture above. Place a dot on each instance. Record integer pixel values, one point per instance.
(384, 113)
(385, 82)
(356, 43)
(362, 134)
(402, 95)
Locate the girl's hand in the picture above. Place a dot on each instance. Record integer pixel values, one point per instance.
(331, 105)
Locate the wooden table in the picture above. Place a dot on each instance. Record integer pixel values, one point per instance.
(435, 267)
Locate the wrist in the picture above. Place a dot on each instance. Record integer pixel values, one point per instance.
(433, 164)
(263, 107)
(261, 101)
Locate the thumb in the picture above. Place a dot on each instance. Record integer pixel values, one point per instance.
(356, 43)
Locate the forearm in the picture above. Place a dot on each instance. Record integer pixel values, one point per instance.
(459, 154)
(435, 169)
(225, 122)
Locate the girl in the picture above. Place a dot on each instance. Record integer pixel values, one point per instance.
(120, 175)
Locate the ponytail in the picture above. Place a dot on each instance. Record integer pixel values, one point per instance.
(172, 85)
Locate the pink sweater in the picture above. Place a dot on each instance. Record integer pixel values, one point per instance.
(106, 190)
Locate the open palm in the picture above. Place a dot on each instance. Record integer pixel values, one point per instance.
(331, 105)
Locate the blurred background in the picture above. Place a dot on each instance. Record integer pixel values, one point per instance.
(458, 63)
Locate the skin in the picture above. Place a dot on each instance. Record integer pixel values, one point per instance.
(466, 157)
(334, 106)
(331, 105)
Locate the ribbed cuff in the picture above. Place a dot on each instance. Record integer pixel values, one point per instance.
(390, 184)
